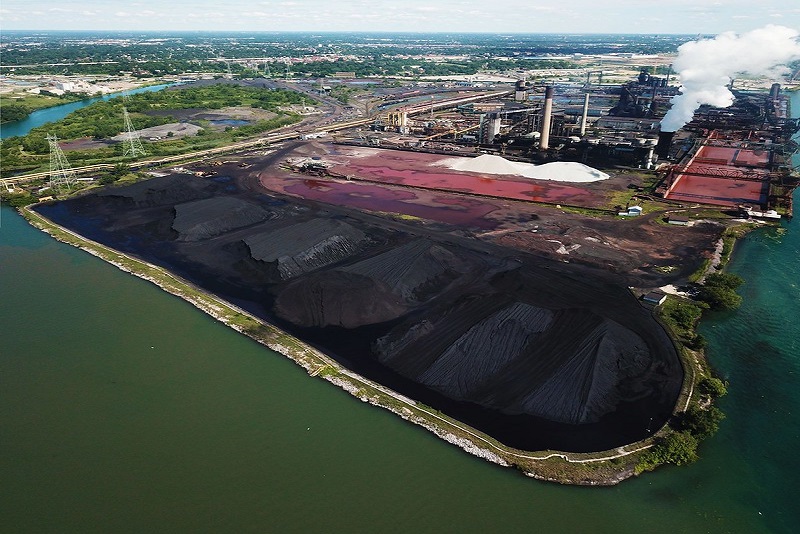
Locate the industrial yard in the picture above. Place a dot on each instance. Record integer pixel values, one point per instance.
(492, 247)
(372, 292)
(479, 250)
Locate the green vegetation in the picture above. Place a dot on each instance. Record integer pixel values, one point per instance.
(119, 170)
(384, 65)
(705, 265)
(17, 200)
(729, 238)
(699, 422)
(103, 120)
(676, 448)
(682, 316)
(679, 444)
(712, 387)
(719, 291)
(343, 93)
(16, 107)
(13, 111)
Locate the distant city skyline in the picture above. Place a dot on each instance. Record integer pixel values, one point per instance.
(518, 16)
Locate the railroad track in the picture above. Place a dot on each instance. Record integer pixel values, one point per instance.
(244, 145)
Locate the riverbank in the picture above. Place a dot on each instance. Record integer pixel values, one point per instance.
(33, 93)
(601, 468)
(60, 108)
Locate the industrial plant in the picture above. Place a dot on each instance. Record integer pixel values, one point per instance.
(727, 157)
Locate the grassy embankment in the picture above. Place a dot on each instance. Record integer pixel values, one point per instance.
(696, 418)
(17, 106)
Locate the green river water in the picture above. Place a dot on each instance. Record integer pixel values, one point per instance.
(124, 409)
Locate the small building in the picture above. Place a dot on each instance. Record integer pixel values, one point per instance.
(632, 211)
(678, 220)
(654, 297)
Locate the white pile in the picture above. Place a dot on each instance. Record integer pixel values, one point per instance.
(559, 171)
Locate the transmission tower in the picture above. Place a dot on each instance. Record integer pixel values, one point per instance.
(61, 174)
(133, 145)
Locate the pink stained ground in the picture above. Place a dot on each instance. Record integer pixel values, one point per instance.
(735, 164)
(420, 170)
(458, 211)
(717, 191)
(736, 156)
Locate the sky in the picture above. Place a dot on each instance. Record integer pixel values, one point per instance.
(519, 16)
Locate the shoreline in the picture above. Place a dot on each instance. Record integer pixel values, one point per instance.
(602, 468)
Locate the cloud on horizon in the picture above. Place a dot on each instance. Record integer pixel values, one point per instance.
(521, 16)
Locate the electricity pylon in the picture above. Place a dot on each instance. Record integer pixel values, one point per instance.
(61, 174)
(133, 145)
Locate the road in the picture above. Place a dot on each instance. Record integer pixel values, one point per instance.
(269, 139)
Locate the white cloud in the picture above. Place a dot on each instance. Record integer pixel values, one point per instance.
(523, 16)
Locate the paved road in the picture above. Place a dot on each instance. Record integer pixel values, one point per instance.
(311, 128)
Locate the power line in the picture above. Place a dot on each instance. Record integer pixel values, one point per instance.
(61, 174)
(133, 144)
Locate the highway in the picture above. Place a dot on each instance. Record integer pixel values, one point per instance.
(253, 143)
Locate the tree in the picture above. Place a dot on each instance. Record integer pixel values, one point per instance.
(719, 291)
(678, 448)
(13, 112)
(723, 279)
(19, 200)
(699, 422)
(719, 297)
(686, 314)
(712, 386)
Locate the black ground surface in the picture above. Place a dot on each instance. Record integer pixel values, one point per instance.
(538, 354)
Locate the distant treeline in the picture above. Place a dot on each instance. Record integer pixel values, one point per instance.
(366, 55)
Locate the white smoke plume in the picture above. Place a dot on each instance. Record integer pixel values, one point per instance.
(705, 67)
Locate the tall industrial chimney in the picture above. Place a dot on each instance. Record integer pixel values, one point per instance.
(585, 114)
(775, 91)
(664, 142)
(544, 140)
(520, 90)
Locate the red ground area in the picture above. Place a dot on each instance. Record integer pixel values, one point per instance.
(457, 211)
(735, 156)
(717, 191)
(420, 170)
(723, 176)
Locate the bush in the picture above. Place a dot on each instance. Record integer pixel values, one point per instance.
(700, 423)
(719, 298)
(19, 200)
(13, 112)
(723, 279)
(698, 342)
(719, 291)
(678, 448)
(714, 387)
(686, 314)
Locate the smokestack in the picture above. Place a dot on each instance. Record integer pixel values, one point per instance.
(585, 114)
(706, 67)
(664, 142)
(544, 140)
(520, 90)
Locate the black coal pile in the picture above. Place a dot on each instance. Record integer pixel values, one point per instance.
(537, 354)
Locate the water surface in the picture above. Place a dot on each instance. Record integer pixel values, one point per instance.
(55, 113)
